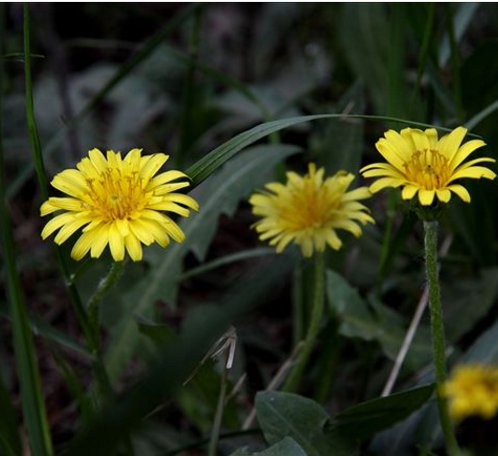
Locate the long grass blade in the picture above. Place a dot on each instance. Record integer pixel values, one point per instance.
(208, 164)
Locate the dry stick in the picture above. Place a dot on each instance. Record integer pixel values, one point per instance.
(412, 329)
(275, 382)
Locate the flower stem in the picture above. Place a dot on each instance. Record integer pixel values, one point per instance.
(104, 286)
(437, 329)
(294, 378)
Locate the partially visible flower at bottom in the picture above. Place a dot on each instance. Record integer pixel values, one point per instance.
(472, 390)
(117, 201)
(308, 210)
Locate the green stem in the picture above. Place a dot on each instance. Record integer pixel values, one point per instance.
(298, 304)
(103, 288)
(215, 432)
(294, 378)
(437, 329)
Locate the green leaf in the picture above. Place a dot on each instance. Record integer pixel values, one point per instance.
(484, 349)
(468, 302)
(363, 420)
(219, 195)
(227, 259)
(203, 168)
(285, 414)
(286, 447)
(376, 322)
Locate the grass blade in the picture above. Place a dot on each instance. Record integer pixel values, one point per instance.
(204, 167)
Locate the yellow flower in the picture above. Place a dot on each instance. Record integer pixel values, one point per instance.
(420, 163)
(120, 202)
(472, 390)
(308, 210)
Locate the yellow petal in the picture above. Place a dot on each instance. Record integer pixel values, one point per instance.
(100, 240)
(133, 247)
(116, 243)
(473, 172)
(56, 223)
(83, 245)
(182, 199)
(409, 191)
(153, 166)
(385, 182)
(461, 191)
(166, 177)
(464, 151)
(174, 231)
(443, 194)
(98, 160)
(333, 240)
(449, 144)
(426, 197)
(420, 140)
(67, 230)
(391, 154)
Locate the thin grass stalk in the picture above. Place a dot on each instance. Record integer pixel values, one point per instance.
(218, 418)
(33, 404)
(437, 330)
(294, 378)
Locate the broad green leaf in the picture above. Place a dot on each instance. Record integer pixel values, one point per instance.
(285, 414)
(286, 447)
(221, 194)
(363, 420)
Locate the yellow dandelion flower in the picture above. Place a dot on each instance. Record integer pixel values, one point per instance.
(117, 201)
(472, 390)
(309, 209)
(421, 163)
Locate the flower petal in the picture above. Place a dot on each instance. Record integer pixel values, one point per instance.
(461, 191)
(464, 151)
(426, 197)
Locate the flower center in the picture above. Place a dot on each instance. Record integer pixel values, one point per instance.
(429, 169)
(310, 208)
(117, 194)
